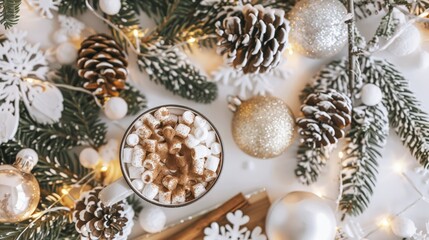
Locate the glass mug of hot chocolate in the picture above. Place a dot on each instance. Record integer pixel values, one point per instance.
(170, 156)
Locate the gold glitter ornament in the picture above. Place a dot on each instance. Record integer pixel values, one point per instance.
(318, 28)
(262, 126)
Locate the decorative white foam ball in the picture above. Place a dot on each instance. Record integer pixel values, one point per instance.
(152, 219)
(403, 227)
(66, 53)
(422, 60)
(406, 43)
(371, 94)
(89, 157)
(110, 7)
(60, 36)
(115, 108)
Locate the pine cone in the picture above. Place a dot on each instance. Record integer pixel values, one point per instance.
(103, 64)
(254, 38)
(95, 221)
(325, 115)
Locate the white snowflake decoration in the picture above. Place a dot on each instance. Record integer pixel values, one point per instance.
(421, 235)
(235, 230)
(71, 26)
(249, 84)
(20, 60)
(45, 7)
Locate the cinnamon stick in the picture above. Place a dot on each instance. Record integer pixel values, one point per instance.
(195, 229)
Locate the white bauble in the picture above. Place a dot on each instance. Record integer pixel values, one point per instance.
(300, 215)
(422, 60)
(115, 108)
(89, 157)
(406, 43)
(28, 155)
(403, 227)
(66, 53)
(60, 36)
(152, 219)
(110, 7)
(110, 151)
(371, 94)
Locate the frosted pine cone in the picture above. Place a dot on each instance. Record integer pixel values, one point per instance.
(253, 39)
(93, 220)
(326, 114)
(103, 64)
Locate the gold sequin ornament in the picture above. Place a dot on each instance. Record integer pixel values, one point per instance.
(262, 126)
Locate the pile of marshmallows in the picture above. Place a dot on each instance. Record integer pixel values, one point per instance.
(172, 159)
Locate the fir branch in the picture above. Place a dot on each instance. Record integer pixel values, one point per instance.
(135, 99)
(156, 9)
(285, 5)
(359, 167)
(135, 203)
(79, 111)
(311, 162)
(388, 25)
(171, 69)
(9, 12)
(410, 122)
(50, 226)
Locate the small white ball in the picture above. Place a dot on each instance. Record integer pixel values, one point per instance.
(66, 53)
(422, 60)
(89, 157)
(403, 227)
(152, 219)
(138, 184)
(115, 108)
(60, 36)
(110, 7)
(132, 139)
(371, 94)
(406, 43)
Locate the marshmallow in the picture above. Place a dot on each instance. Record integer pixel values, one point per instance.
(175, 146)
(200, 151)
(150, 175)
(178, 196)
(154, 156)
(211, 138)
(158, 135)
(198, 190)
(161, 114)
(209, 175)
(198, 166)
(201, 134)
(171, 120)
(212, 163)
(215, 148)
(127, 155)
(143, 132)
(138, 184)
(132, 139)
(188, 117)
(164, 197)
(200, 122)
(149, 145)
(182, 130)
(138, 156)
(135, 172)
(150, 191)
(151, 121)
(170, 182)
(169, 132)
(191, 141)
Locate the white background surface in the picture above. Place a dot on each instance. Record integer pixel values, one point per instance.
(392, 193)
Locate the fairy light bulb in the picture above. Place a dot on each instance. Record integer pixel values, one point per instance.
(384, 222)
(398, 167)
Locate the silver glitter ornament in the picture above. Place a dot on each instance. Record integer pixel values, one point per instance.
(262, 126)
(318, 27)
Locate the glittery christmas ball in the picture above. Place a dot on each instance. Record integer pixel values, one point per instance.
(262, 126)
(318, 29)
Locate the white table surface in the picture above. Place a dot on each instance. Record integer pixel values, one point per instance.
(392, 193)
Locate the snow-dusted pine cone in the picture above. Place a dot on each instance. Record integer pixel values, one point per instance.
(326, 114)
(253, 39)
(93, 220)
(102, 62)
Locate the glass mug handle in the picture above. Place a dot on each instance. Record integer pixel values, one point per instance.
(115, 192)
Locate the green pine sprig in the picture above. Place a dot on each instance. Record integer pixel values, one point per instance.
(311, 162)
(406, 116)
(9, 12)
(135, 99)
(359, 167)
